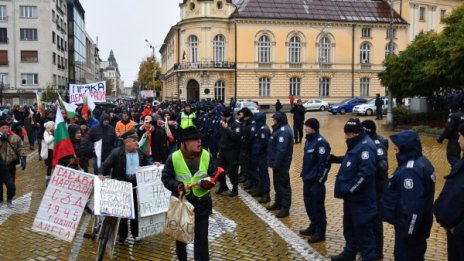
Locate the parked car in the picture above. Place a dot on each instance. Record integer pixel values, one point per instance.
(249, 104)
(346, 105)
(315, 105)
(369, 107)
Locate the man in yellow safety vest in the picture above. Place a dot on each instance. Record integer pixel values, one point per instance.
(187, 117)
(187, 171)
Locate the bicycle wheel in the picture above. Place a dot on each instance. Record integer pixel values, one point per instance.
(97, 222)
(103, 240)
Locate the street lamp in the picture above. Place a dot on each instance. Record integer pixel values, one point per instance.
(390, 52)
(152, 47)
(1, 90)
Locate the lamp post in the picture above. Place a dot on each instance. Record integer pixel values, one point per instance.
(389, 124)
(1, 90)
(152, 47)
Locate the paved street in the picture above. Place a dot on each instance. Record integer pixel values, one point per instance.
(240, 229)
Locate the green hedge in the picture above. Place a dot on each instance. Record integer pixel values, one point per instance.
(427, 129)
(402, 116)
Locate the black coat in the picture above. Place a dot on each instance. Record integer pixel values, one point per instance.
(298, 113)
(105, 133)
(117, 162)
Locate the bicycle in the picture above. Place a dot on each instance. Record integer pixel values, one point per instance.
(108, 227)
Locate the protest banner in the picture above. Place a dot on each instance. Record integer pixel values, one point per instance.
(96, 90)
(152, 225)
(114, 198)
(147, 94)
(153, 197)
(63, 203)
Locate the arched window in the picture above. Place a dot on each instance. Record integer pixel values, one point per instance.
(193, 49)
(365, 54)
(219, 91)
(365, 82)
(324, 50)
(294, 49)
(264, 87)
(295, 84)
(387, 51)
(219, 48)
(264, 49)
(324, 86)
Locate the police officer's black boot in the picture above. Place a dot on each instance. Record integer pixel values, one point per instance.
(306, 232)
(274, 206)
(316, 237)
(256, 193)
(266, 198)
(283, 213)
(222, 189)
(343, 257)
(233, 192)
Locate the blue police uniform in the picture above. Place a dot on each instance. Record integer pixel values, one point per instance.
(408, 199)
(449, 211)
(280, 153)
(355, 184)
(260, 140)
(314, 175)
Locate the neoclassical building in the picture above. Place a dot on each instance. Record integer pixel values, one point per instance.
(264, 50)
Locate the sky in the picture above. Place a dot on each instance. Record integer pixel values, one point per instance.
(123, 26)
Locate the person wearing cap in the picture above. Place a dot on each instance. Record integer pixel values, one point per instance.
(455, 118)
(229, 152)
(279, 156)
(189, 165)
(122, 165)
(407, 203)
(260, 140)
(355, 184)
(381, 176)
(298, 111)
(314, 174)
(187, 118)
(449, 206)
(248, 173)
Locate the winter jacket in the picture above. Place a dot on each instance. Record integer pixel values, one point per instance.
(381, 164)
(355, 180)
(230, 136)
(124, 126)
(316, 153)
(280, 147)
(11, 149)
(116, 162)
(261, 136)
(408, 200)
(450, 132)
(49, 140)
(104, 133)
(298, 113)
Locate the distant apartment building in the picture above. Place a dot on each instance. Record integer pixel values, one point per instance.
(33, 48)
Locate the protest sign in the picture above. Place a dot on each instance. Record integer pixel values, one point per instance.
(152, 225)
(147, 94)
(96, 90)
(63, 203)
(114, 198)
(153, 197)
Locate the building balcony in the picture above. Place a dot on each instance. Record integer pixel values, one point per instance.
(203, 65)
(366, 66)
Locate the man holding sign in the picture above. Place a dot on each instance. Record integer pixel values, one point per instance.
(189, 171)
(124, 162)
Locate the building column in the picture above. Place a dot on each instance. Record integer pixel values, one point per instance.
(413, 22)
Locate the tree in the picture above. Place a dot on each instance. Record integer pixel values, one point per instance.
(50, 95)
(148, 76)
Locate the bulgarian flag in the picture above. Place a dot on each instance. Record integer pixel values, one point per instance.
(63, 146)
(143, 144)
(89, 106)
(168, 131)
(40, 105)
(69, 107)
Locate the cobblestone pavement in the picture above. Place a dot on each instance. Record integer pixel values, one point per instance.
(240, 229)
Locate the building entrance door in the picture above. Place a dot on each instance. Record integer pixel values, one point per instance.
(193, 91)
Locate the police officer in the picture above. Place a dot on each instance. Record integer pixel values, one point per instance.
(260, 140)
(408, 200)
(298, 111)
(229, 150)
(378, 107)
(187, 165)
(456, 117)
(355, 184)
(381, 176)
(246, 167)
(314, 175)
(187, 118)
(280, 153)
(449, 207)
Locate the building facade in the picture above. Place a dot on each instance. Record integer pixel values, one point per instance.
(112, 75)
(264, 50)
(33, 48)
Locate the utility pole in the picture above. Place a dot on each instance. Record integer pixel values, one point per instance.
(154, 65)
(390, 52)
(1, 91)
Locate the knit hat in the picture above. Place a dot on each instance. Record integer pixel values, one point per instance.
(49, 124)
(313, 123)
(369, 127)
(353, 125)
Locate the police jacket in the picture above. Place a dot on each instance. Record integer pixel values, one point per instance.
(261, 134)
(116, 162)
(280, 147)
(381, 162)
(449, 207)
(408, 200)
(451, 129)
(355, 180)
(246, 135)
(230, 136)
(204, 205)
(316, 152)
